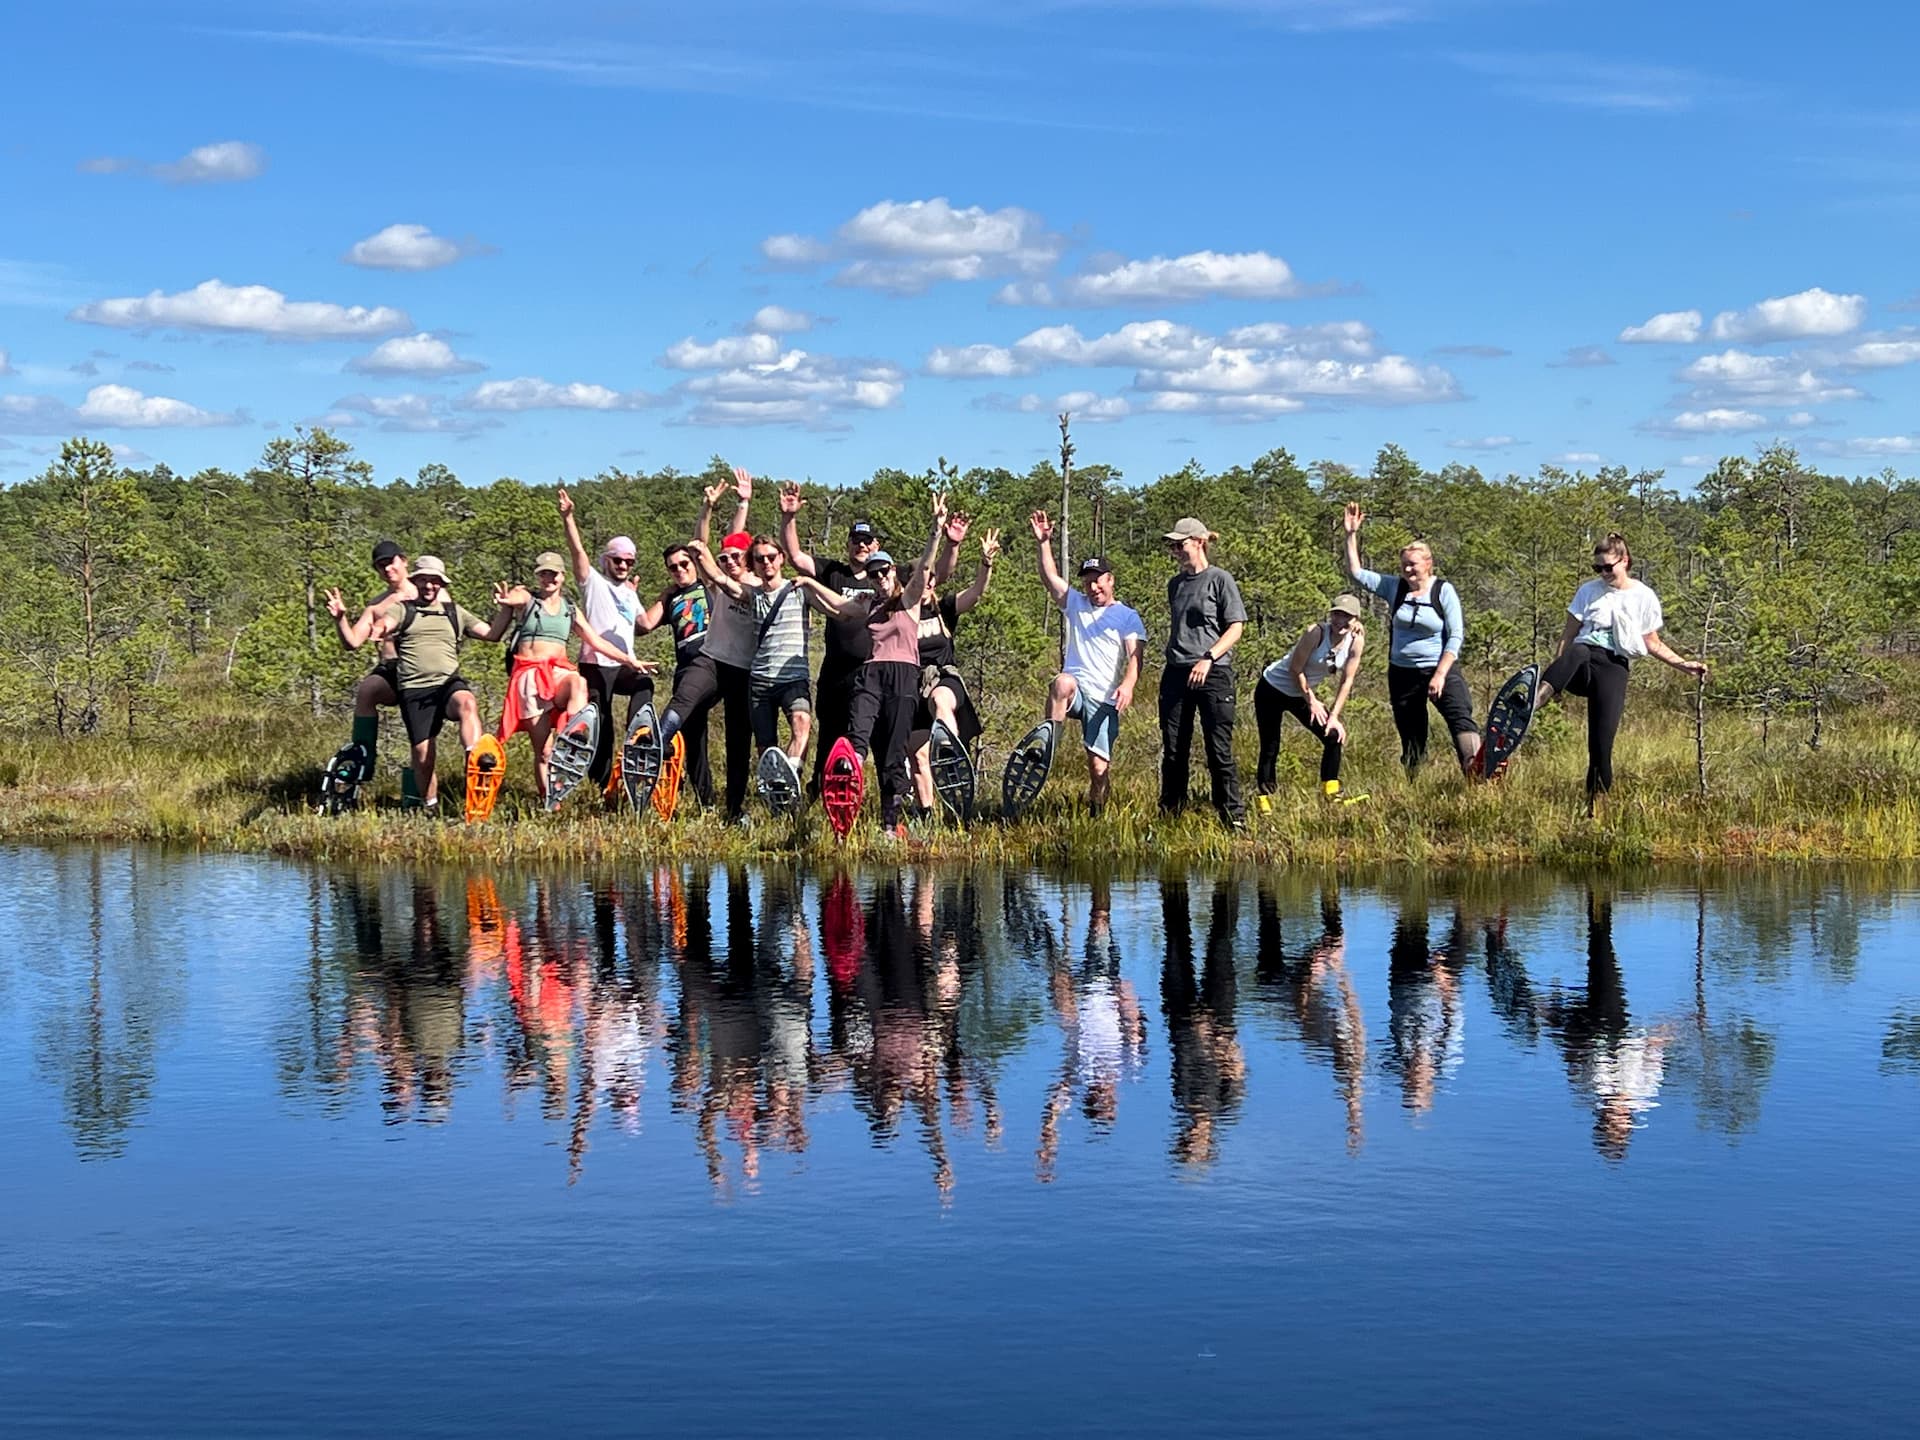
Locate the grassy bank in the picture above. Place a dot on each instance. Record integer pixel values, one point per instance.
(240, 780)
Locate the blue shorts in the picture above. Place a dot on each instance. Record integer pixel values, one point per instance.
(1099, 724)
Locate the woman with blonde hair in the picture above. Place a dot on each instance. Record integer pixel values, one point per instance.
(1424, 637)
(1612, 620)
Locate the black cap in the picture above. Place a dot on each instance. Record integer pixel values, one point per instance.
(862, 530)
(1095, 565)
(384, 552)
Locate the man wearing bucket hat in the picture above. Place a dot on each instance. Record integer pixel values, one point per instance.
(1207, 617)
(611, 599)
(1294, 685)
(426, 632)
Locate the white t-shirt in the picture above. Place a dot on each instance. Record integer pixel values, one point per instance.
(1097, 638)
(1616, 620)
(612, 610)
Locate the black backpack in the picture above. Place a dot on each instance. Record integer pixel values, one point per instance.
(1403, 590)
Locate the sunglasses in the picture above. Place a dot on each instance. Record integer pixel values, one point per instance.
(877, 570)
(732, 557)
(422, 582)
(1601, 567)
(765, 556)
(619, 560)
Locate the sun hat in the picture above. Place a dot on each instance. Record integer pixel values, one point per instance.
(430, 566)
(1188, 528)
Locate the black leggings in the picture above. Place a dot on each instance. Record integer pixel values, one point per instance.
(1407, 691)
(1600, 676)
(604, 682)
(696, 689)
(1271, 704)
(883, 706)
(832, 712)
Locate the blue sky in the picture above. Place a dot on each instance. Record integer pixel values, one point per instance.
(820, 238)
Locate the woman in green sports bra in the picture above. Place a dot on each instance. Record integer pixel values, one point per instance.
(544, 689)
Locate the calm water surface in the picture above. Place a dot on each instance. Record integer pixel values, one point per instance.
(297, 1150)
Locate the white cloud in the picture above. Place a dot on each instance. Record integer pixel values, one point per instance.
(904, 247)
(223, 162)
(405, 247)
(421, 354)
(1578, 457)
(968, 362)
(1876, 446)
(123, 406)
(1670, 327)
(1700, 462)
(1094, 408)
(114, 407)
(1202, 275)
(219, 163)
(1588, 83)
(1028, 404)
(779, 320)
(1809, 314)
(1483, 442)
(1269, 368)
(244, 309)
(1772, 379)
(1226, 407)
(1883, 352)
(1717, 421)
(1582, 357)
(797, 389)
(528, 392)
(690, 354)
(409, 414)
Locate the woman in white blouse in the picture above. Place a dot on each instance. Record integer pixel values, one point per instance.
(1612, 620)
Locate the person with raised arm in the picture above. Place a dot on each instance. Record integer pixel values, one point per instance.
(888, 690)
(381, 685)
(943, 691)
(1424, 636)
(848, 643)
(426, 632)
(1105, 645)
(721, 673)
(545, 689)
(1207, 619)
(610, 596)
(1294, 685)
(1612, 620)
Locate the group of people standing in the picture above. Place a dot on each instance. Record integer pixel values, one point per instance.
(890, 672)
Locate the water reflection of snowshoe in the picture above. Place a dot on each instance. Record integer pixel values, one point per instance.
(1508, 720)
(350, 768)
(843, 787)
(666, 790)
(1027, 768)
(953, 777)
(640, 758)
(486, 769)
(572, 754)
(778, 780)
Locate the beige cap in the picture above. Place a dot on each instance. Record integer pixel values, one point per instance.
(1348, 605)
(550, 560)
(1188, 529)
(429, 565)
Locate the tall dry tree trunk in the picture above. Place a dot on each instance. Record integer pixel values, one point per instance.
(1066, 530)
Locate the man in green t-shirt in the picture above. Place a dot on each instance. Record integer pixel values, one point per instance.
(426, 634)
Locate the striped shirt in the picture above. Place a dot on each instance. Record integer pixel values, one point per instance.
(782, 652)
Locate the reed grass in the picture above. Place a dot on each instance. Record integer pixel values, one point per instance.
(247, 781)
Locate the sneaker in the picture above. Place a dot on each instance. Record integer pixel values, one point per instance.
(1265, 804)
(1330, 788)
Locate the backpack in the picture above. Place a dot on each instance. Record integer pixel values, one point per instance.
(1403, 590)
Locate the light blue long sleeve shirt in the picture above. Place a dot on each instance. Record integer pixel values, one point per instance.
(1415, 636)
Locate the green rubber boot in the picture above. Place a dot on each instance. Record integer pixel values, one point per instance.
(366, 731)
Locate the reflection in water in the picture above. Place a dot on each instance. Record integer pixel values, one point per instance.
(1314, 991)
(942, 1008)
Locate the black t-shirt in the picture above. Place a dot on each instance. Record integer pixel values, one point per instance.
(848, 643)
(687, 615)
(938, 621)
